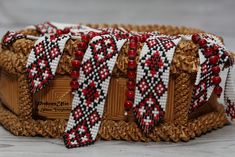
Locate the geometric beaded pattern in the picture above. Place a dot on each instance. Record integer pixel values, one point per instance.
(11, 37)
(203, 86)
(230, 109)
(115, 30)
(44, 59)
(152, 80)
(224, 58)
(74, 29)
(89, 98)
(46, 28)
(229, 95)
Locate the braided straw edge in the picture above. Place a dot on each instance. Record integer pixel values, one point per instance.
(182, 98)
(120, 130)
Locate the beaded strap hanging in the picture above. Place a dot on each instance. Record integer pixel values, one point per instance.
(89, 99)
(213, 53)
(46, 28)
(229, 94)
(11, 37)
(44, 59)
(152, 80)
(60, 28)
(213, 56)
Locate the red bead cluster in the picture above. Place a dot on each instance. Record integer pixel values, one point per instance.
(66, 30)
(211, 53)
(132, 66)
(131, 73)
(76, 62)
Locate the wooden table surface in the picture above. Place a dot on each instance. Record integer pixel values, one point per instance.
(219, 143)
(216, 16)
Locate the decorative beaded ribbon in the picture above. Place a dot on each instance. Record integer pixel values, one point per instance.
(229, 94)
(43, 60)
(46, 28)
(89, 99)
(11, 37)
(212, 57)
(205, 81)
(55, 28)
(152, 80)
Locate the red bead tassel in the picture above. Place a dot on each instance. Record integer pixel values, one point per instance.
(76, 62)
(131, 73)
(211, 53)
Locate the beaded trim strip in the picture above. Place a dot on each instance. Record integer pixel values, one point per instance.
(89, 99)
(131, 74)
(59, 28)
(46, 28)
(229, 94)
(132, 67)
(76, 62)
(44, 48)
(119, 30)
(212, 56)
(44, 59)
(152, 80)
(11, 37)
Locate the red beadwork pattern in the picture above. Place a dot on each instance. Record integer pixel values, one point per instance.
(131, 73)
(89, 98)
(77, 114)
(90, 93)
(46, 28)
(143, 86)
(132, 65)
(76, 62)
(134, 38)
(229, 94)
(154, 63)
(104, 72)
(43, 60)
(212, 59)
(103, 49)
(11, 37)
(160, 88)
(152, 80)
(230, 110)
(62, 29)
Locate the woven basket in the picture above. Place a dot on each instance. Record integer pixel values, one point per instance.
(46, 112)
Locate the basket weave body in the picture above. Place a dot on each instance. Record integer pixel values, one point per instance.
(46, 112)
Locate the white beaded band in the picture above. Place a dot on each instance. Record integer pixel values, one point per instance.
(89, 99)
(152, 80)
